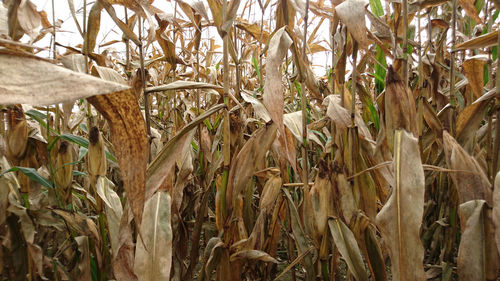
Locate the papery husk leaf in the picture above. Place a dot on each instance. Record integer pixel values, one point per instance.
(399, 109)
(48, 83)
(346, 243)
(113, 210)
(478, 257)
(301, 240)
(84, 258)
(467, 175)
(153, 256)
(400, 219)
(352, 14)
(246, 162)
(474, 68)
(496, 210)
(128, 135)
(273, 89)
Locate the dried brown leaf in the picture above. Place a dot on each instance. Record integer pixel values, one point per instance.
(31, 80)
(253, 255)
(128, 134)
(470, 10)
(273, 89)
(153, 256)
(469, 178)
(352, 14)
(483, 41)
(399, 109)
(248, 159)
(477, 256)
(496, 210)
(400, 219)
(348, 248)
(84, 258)
(474, 68)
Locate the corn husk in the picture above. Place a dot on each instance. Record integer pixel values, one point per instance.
(17, 135)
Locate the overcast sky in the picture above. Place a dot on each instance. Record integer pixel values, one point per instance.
(69, 35)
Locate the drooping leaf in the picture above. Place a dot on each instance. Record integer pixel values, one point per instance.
(401, 217)
(253, 255)
(32, 174)
(346, 243)
(273, 89)
(31, 80)
(153, 256)
(128, 134)
(182, 85)
(84, 259)
(248, 159)
(473, 68)
(470, 10)
(483, 41)
(162, 165)
(352, 14)
(301, 240)
(469, 178)
(113, 210)
(496, 210)
(478, 257)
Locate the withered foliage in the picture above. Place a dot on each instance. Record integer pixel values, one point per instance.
(251, 140)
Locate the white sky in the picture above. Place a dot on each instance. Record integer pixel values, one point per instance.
(69, 35)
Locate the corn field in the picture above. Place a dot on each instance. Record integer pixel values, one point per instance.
(250, 140)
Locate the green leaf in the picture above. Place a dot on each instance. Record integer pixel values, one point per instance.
(32, 174)
(81, 141)
(377, 8)
(256, 66)
(380, 71)
(78, 173)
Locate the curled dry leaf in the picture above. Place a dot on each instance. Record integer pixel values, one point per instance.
(128, 134)
(161, 167)
(478, 257)
(31, 80)
(342, 118)
(401, 217)
(470, 180)
(259, 109)
(153, 255)
(84, 259)
(113, 210)
(470, 10)
(399, 106)
(474, 68)
(352, 14)
(293, 121)
(318, 203)
(483, 41)
(183, 85)
(273, 89)
(253, 255)
(348, 247)
(248, 159)
(496, 210)
(270, 192)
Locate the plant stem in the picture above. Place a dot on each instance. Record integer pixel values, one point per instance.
(405, 41)
(305, 172)
(143, 79)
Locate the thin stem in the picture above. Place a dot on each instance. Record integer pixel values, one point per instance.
(53, 30)
(405, 41)
(143, 79)
(305, 172)
(453, 100)
(127, 46)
